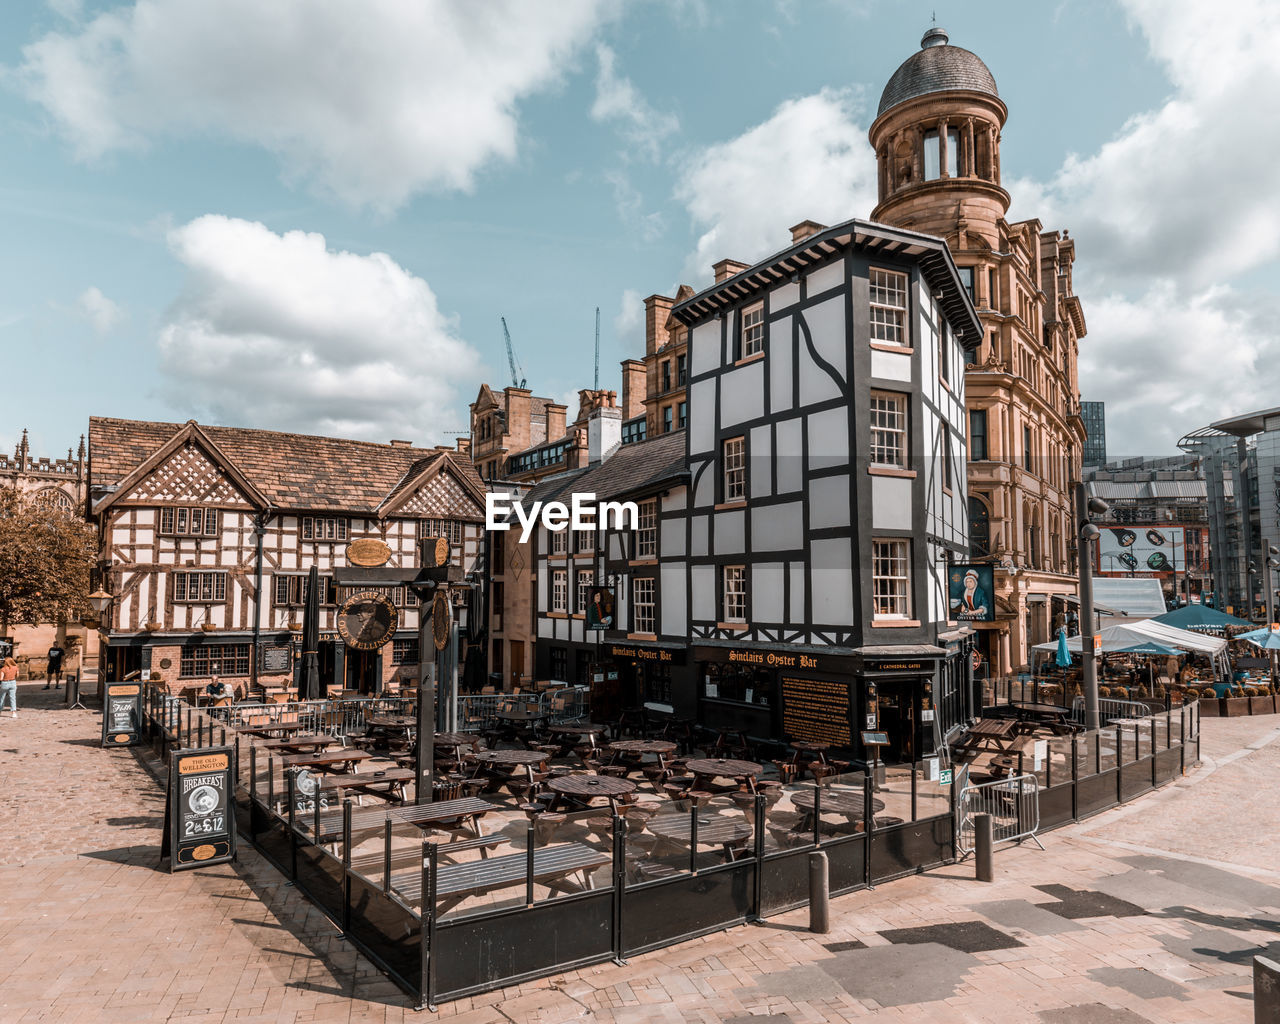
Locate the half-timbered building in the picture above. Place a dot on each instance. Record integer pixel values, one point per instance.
(207, 536)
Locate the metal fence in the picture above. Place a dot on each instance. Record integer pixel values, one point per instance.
(1110, 709)
(1013, 805)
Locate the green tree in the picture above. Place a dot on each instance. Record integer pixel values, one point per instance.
(46, 555)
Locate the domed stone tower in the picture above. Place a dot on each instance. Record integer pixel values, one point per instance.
(937, 141)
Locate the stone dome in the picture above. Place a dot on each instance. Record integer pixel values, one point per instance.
(937, 67)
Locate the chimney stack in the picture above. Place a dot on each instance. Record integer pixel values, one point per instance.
(725, 269)
(801, 231)
(396, 443)
(556, 415)
(634, 388)
(604, 433)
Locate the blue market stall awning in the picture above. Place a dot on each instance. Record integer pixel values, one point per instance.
(1197, 616)
(1149, 647)
(1264, 638)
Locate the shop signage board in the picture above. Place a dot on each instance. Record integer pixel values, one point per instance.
(875, 739)
(816, 710)
(122, 715)
(658, 654)
(199, 828)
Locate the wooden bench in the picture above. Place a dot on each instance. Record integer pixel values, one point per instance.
(552, 866)
(445, 814)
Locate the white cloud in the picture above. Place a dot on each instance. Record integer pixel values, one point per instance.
(618, 100)
(630, 321)
(371, 101)
(630, 205)
(1167, 215)
(281, 331)
(1171, 359)
(809, 161)
(69, 9)
(99, 310)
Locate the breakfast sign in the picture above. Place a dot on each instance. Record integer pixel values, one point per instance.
(199, 826)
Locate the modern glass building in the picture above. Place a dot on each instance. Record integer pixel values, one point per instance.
(1094, 416)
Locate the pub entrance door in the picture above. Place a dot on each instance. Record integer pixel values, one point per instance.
(364, 670)
(899, 710)
(123, 662)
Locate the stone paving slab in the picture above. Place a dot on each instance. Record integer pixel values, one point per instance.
(90, 930)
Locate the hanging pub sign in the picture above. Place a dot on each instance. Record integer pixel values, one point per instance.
(600, 608)
(971, 593)
(199, 828)
(441, 620)
(122, 715)
(367, 620)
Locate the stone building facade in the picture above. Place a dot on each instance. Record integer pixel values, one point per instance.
(937, 143)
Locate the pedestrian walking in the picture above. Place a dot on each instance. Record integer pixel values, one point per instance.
(53, 672)
(9, 685)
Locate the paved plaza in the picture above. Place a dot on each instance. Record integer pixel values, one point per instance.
(1148, 913)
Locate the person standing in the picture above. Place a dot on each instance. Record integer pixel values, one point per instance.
(53, 672)
(9, 685)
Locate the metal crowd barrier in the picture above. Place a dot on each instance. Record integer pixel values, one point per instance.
(333, 716)
(1014, 806)
(477, 712)
(1110, 708)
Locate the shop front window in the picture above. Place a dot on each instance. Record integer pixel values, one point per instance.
(740, 683)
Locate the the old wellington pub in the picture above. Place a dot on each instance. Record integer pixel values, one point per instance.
(207, 536)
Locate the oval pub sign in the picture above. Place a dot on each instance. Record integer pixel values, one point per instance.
(368, 553)
(367, 620)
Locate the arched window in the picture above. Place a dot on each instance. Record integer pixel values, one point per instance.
(56, 499)
(979, 528)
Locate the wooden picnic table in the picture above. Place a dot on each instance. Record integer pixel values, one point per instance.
(583, 788)
(392, 721)
(1033, 713)
(742, 772)
(553, 866)
(713, 829)
(835, 801)
(299, 743)
(267, 728)
(586, 732)
(388, 783)
(990, 734)
(344, 760)
(463, 812)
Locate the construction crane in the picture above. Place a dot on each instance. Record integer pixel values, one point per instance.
(517, 375)
(596, 385)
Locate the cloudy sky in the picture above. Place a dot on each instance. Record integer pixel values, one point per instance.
(310, 214)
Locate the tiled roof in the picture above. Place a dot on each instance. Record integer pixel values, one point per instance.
(636, 467)
(293, 471)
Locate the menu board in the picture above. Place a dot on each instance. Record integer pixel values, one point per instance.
(277, 659)
(816, 710)
(122, 715)
(305, 786)
(199, 827)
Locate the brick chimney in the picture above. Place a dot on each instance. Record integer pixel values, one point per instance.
(634, 388)
(556, 415)
(604, 433)
(725, 269)
(656, 310)
(801, 231)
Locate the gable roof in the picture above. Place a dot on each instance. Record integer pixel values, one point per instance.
(637, 467)
(285, 471)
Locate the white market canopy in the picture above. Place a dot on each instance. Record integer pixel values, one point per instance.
(1116, 638)
(1126, 599)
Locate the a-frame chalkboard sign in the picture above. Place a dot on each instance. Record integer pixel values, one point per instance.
(122, 715)
(199, 809)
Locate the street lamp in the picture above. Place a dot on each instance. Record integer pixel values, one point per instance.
(1269, 562)
(1086, 531)
(99, 600)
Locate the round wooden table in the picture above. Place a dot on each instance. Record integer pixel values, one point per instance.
(513, 758)
(638, 748)
(744, 772)
(810, 747)
(392, 721)
(455, 739)
(585, 787)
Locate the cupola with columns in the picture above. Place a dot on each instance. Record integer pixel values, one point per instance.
(937, 142)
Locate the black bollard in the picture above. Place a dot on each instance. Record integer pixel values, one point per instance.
(983, 843)
(819, 894)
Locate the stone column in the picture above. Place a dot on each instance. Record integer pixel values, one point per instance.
(942, 148)
(995, 159)
(967, 169)
(917, 154)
